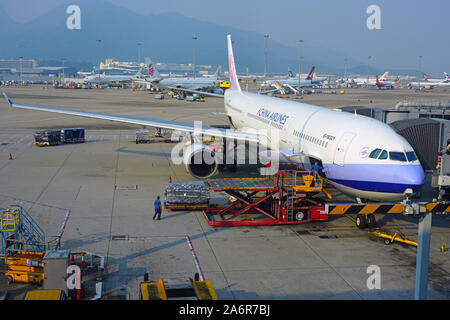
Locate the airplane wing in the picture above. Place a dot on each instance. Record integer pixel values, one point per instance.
(157, 123)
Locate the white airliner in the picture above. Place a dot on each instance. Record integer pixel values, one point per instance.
(103, 79)
(372, 81)
(292, 81)
(446, 79)
(361, 156)
(191, 83)
(429, 83)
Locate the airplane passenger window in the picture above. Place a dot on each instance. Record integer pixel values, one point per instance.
(397, 156)
(411, 156)
(375, 153)
(383, 155)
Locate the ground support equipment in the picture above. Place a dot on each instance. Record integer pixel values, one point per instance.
(167, 290)
(283, 199)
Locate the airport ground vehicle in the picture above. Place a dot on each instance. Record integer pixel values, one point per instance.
(170, 290)
(45, 295)
(62, 136)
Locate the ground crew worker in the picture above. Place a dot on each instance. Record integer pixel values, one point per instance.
(157, 208)
(315, 168)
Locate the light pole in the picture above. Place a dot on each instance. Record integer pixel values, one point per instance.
(139, 53)
(98, 71)
(266, 36)
(299, 64)
(420, 67)
(21, 69)
(345, 68)
(368, 70)
(62, 59)
(195, 68)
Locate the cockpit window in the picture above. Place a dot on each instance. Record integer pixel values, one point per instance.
(374, 154)
(397, 156)
(383, 155)
(411, 156)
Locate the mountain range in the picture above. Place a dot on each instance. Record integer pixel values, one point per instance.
(166, 37)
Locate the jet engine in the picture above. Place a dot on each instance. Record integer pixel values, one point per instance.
(201, 161)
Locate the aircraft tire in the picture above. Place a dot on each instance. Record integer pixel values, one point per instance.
(361, 221)
(371, 221)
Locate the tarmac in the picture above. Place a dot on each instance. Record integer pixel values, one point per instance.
(109, 184)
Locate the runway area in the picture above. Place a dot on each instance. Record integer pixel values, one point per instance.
(109, 184)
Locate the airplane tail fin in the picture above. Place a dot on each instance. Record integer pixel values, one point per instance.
(290, 74)
(141, 72)
(217, 73)
(151, 71)
(446, 75)
(384, 76)
(310, 74)
(398, 78)
(425, 76)
(234, 83)
(377, 82)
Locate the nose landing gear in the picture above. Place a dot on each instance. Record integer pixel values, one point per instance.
(365, 220)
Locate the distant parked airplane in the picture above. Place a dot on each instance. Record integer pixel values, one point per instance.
(191, 83)
(293, 81)
(103, 79)
(372, 81)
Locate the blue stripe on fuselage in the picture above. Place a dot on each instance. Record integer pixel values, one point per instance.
(384, 187)
(387, 178)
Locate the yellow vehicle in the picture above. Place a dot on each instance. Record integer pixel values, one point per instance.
(199, 290)
(25, 266)
(45, 295)
(224, 83)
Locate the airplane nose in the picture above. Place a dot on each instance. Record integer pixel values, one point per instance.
(410, 175)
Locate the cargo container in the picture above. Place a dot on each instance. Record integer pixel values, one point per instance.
(47, 137)
(55, 137)
(72, 135)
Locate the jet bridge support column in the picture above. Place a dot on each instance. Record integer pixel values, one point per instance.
(423, 257)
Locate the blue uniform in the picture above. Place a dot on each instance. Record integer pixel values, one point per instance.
(316, 168)
(157, 209)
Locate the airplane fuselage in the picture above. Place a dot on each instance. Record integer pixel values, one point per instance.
(343, 142)
(188, 83)
(107, 78)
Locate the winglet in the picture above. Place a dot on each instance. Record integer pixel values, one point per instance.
(234, 83)
(8, 99)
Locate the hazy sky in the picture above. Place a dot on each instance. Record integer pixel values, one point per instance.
(408, 28)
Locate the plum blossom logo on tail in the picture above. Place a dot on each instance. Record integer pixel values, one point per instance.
(151, 70)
